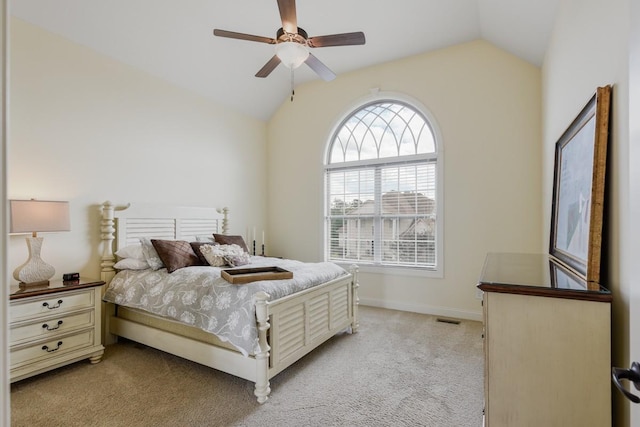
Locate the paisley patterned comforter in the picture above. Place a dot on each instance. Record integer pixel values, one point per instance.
(198, 296)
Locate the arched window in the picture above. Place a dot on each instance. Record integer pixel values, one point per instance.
(382, 190)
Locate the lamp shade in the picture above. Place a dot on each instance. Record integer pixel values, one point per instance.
(31, 216)
(292, 54)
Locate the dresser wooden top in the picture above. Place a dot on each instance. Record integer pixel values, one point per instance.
(20, 291)
(537, 275)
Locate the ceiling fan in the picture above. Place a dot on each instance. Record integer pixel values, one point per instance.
(292, 43)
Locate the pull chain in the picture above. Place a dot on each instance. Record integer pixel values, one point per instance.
(293, 92)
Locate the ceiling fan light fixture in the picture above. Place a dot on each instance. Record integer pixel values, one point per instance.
(292, 43)
(292, 54)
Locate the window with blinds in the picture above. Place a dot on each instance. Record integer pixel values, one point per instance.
(382, 189)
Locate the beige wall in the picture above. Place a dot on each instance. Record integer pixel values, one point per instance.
(589, 48)
(86, 129)
(487, 107)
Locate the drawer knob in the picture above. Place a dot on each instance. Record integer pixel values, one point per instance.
(51, 307)
(49, 350)
(48, 328)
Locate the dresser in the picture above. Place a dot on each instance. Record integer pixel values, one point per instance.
(51, 326)
(547, 344)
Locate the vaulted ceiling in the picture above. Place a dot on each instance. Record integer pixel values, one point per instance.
(174, 39)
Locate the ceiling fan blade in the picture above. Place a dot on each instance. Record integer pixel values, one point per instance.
(346, 39)
(243, 36)
(268, 67)
(288, 16)
(322, 70)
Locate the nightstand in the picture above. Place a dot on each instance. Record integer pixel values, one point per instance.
(54, 325)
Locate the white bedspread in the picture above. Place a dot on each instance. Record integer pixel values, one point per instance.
(198, 296)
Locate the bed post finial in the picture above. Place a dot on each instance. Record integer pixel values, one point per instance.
(262, 389)
(225, 219)
(107, 228)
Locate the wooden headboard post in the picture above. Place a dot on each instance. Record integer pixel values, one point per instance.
(225, 220)
(107, 228)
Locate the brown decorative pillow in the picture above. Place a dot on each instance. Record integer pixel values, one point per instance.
(223, 239)
(196, 248)
(175, 254)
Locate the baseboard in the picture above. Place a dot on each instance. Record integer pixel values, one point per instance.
(423, 309)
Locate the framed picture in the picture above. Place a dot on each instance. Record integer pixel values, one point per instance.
(578, 188)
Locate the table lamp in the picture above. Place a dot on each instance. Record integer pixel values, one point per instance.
(33, 216)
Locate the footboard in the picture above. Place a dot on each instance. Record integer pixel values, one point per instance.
(303, 321)
(292, 326)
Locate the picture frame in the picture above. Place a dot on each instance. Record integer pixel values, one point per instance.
(579, 189)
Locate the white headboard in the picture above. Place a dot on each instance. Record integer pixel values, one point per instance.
(126, 224)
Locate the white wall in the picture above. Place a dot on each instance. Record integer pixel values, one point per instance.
(487, 106)
(589, 48)
(86, 129)
(5, 407)
(632, 268)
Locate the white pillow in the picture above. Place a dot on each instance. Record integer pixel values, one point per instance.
(131, 251)
(206, 238)
(131, 264)
(150, 254)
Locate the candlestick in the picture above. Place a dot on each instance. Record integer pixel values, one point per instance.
(263, 249)
(254, 246)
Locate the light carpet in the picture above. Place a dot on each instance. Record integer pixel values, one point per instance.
(400, 369)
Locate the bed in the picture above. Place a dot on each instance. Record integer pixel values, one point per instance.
(287, 327)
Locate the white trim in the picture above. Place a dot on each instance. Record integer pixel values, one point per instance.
(416, 158)
(375, 95)
(395, 270)
(422, 309)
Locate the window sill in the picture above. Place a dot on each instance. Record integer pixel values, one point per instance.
(393, 270)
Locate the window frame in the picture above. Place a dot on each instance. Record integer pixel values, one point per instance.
(376, 98)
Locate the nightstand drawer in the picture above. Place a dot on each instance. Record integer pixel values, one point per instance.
(50, 326)
(51, 348)
(50, 305)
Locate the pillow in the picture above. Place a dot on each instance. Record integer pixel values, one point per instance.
(221, 255)
(241, 258)
(175, 254)
(223, 239)
(131, 251)
(214, 254)
(196, 248)
(205, 239)
(131, 264)
(150, 254)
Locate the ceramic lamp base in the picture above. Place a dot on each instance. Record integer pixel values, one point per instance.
(35, 271)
